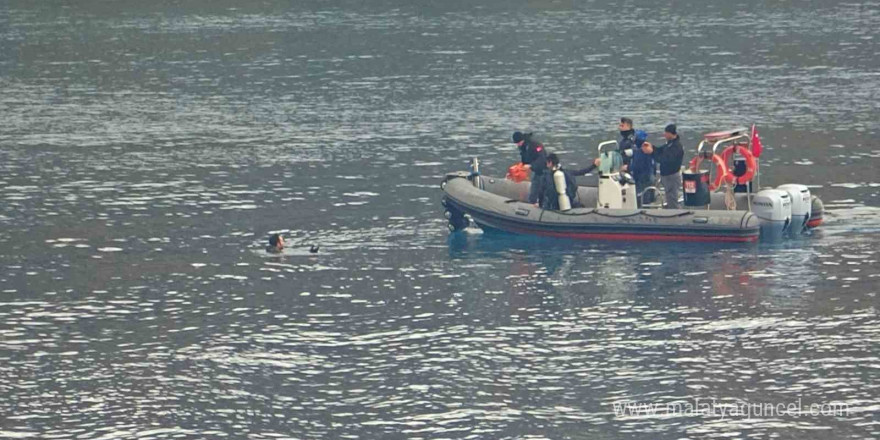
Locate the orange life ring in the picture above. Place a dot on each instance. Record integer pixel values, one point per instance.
(751, 163)
(721, 173)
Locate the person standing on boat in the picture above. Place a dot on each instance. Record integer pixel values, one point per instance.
(532, 153)
(627, 142)
(559, 188)
(670, 156)
(642, 168)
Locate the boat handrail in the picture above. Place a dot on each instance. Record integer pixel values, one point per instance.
(730, 139)
(657, 196)
(718, 143)
(700, 147)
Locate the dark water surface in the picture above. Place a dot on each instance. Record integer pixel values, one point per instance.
(148, 148)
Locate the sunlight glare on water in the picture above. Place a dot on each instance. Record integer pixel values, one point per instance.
(148, 150)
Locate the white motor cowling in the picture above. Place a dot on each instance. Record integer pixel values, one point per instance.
(773, 207)
(801, 205)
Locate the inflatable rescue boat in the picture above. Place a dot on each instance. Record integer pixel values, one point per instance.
(729, 208)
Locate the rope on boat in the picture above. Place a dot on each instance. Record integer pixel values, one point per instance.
(640, 212)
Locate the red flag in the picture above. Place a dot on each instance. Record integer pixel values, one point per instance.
(756, 142)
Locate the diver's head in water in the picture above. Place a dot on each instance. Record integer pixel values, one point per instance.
(276, 243)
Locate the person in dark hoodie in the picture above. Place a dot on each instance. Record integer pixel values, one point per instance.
(532, 153)
(670, 156)
(642, 168)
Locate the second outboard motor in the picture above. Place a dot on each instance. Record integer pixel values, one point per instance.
(801, 205)
(773, 207)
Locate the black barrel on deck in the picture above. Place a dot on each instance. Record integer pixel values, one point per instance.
(695, 186)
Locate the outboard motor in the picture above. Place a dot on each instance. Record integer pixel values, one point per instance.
(773, 207)
(801, 205)
(616, 192)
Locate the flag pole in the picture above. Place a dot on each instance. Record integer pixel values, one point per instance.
(757, 159)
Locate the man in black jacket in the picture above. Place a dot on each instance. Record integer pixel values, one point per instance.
(531, 152)
(670, 156)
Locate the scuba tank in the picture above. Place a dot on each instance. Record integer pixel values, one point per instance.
(559, 182)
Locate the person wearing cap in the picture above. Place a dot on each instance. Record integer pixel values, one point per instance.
(670, 156)
(532, 153)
